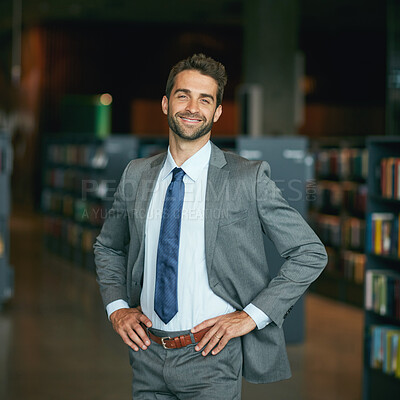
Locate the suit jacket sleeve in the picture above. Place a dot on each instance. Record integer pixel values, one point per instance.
(111, 249)
(295, 241)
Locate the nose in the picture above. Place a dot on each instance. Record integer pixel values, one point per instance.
(192, 106)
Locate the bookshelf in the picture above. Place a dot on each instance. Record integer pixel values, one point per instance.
(337, 213)
(381, 372)
(80, 176)
(6, 271)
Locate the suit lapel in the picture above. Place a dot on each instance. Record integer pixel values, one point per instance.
(217, 181)
(145, 192)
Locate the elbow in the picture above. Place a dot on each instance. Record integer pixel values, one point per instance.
(318, 257)
(323, 256)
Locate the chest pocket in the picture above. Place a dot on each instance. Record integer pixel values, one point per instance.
(233, 216)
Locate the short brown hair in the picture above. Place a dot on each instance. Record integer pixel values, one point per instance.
(206, 66)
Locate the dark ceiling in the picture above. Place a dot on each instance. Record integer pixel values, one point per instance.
(344, 40)
(153, 11)
(314, 14)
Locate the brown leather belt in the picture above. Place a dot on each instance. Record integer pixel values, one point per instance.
(178, 341)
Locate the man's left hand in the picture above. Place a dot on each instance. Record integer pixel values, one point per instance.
(223, 329)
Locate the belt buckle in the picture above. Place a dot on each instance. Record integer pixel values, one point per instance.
(163, 343)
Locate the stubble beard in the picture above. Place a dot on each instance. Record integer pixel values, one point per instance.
(180, 131)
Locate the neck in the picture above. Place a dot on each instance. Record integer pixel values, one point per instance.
(181, 150)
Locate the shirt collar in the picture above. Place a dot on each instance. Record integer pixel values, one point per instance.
(192, 166)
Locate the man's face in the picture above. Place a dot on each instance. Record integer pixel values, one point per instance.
(191, 108)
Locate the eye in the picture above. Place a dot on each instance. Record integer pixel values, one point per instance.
(206, 101)
(182, 96)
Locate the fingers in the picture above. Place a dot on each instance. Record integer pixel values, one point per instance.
(132, 340)
(205, 324)
(127, 323)
(221, 344)
(209, 336)
(143, 319)
(224, 328)
(139, 337)
(216, 343)
(216, 338)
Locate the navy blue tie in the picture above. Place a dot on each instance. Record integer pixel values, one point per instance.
(166, 295)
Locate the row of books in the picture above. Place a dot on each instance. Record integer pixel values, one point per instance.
(81, 183)
(354, 266)
(336, 232)
(383, 234)
(329, 197)
(355, 198)
(390, 177)
(334, 197)
(71, 240)
(382, 292)
(73, 233)
(83, 155)
(328, 228)
(77, 209)
(353, 233)
(385, 349)
(348, 265)
(347, 163)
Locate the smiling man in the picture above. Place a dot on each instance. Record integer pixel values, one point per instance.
(180, 259)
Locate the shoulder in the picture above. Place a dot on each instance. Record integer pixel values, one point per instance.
(234, 159)
(243, 166)
(139, 165)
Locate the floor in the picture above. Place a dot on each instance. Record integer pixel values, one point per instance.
(57, 344)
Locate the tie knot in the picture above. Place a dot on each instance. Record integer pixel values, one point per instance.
(177, 174)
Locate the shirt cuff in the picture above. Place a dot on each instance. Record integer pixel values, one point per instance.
(116, 305)
(259, 317)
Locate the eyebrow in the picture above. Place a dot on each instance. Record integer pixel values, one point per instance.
(187, 91)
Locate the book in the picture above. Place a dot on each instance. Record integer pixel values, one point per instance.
(385, 354)
(394, 238)
(394, 359)
(390, 177)
(382, 294)
(382, 234)
(378, 236)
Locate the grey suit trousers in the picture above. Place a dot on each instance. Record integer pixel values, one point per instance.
(184, 373)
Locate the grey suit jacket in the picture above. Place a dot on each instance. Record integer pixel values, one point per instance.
(242, 204)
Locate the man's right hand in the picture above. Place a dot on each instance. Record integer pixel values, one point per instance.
(127, 323)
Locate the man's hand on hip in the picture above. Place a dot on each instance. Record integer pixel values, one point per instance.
(223, 329)
(127, 323)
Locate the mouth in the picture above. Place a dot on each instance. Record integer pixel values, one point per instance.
(190, 120)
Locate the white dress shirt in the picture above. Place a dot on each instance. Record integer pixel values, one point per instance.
(196, 301)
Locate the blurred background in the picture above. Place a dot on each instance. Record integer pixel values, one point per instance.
(313, 88)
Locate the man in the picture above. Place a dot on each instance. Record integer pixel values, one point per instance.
(180, 259)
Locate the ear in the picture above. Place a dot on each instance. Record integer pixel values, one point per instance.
(164, 105)
(217, 113)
